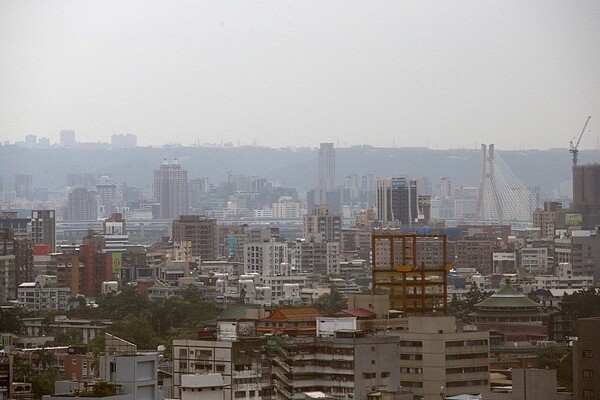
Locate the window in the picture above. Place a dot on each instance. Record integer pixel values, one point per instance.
(182, 353)
(588, 373)
(203, 354)
(385, 374)
(588, 394)
(587, 354)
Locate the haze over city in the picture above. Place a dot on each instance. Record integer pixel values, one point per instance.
(427, 74)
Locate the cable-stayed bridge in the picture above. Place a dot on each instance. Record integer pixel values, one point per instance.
(502, 198)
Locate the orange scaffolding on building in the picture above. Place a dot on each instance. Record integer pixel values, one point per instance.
(413, 270)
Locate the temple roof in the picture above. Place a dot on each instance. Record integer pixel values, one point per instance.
(509, 298)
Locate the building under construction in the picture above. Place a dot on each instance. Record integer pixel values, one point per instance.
(413, 270)
(586, 194)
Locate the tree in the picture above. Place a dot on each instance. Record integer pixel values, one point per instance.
(22, 369)
(462, 309)
(45, 358)
(10, 319)
(329, 303)
(559, 359)
(42, 382)
(68, 337)
(127, 302)
(136, 330)
(583, 303)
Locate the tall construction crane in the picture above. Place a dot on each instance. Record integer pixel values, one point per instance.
(574, 149)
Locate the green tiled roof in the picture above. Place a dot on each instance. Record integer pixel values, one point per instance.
(486, 313)
(509, 298)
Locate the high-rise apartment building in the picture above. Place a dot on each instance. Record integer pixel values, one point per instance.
(107, 194)
(98, 265)
(201, 232)
(397, 200)
(17, 255)
(322, 225)
(171, 190)
(81, 205)
(320, 258)
(546, 219)
(265, 258)
(23, 186)
(586, 193)
(43, 228)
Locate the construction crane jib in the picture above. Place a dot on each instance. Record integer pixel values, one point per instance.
(574, 149)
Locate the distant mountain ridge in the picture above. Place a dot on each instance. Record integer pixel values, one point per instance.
(295, 168)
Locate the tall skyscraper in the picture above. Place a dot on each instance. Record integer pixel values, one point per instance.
(324, 193)
(397, 200)
(326, 166)
(171, 190)
(586, 193)
(43, 228)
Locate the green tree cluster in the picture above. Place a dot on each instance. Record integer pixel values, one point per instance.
(583, 303)
(42, 377)
(135, 317)
(461, 309)
(559, 359)
(329, 303)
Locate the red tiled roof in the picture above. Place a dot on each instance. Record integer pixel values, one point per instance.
(293, 314)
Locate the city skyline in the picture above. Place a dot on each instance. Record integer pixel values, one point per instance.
(520, 75)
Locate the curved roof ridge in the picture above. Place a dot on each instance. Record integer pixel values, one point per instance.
(509, 297)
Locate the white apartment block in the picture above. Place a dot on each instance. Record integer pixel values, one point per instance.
(437, 360)
(43, 294)
(564, 279)
(321, 258)
(286, 208)
(238, 361)
(533, 261)
(265, 258)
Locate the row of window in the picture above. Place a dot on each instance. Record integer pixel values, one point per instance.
(465, 356)
(465, 343)
(479, 382)
(466, 370)
(409, 370)
(411, 343)
(412, 357)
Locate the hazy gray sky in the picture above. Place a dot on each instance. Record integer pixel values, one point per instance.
(443, 74)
